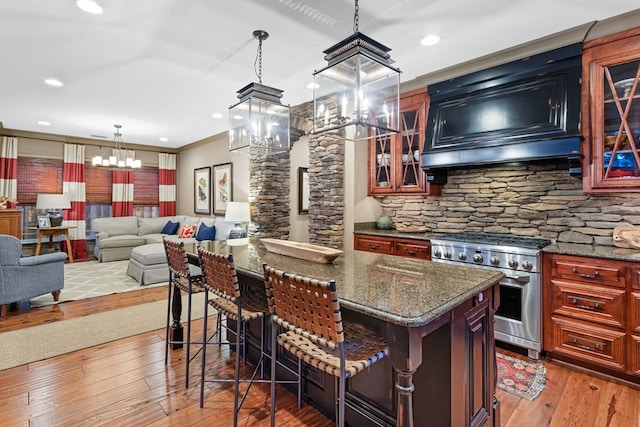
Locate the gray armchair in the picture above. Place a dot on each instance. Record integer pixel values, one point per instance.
(22, 278)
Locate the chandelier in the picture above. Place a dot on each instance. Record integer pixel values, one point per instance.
(359, 90)
(120, 158)
(259, 120)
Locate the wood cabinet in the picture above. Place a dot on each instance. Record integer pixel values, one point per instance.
(592, 313)
(410, 248)
(10, 222)
(473, 357)
(394, 161)
(611, 113)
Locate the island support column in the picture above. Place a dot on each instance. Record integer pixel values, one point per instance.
(405, 348)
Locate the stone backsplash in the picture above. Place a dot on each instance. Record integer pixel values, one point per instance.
(533, 200)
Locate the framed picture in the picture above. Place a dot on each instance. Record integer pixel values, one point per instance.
(222, 187)
(44, 222)
(202, 190)
(303, 190)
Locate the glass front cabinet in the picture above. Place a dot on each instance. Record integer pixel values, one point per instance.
(394, 161)
(611, 113)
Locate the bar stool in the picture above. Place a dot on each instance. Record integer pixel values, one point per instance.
(309, 312)
(221, 282)
(180, 279)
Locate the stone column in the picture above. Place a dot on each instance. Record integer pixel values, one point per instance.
(326, 189)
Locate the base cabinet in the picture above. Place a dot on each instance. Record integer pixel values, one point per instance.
(410, 248)
(592, 313)
(10, 222)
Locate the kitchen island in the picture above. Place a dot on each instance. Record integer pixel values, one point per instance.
(438, 321)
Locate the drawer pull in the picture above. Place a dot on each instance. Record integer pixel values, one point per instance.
(587, 276)
(595, 307)
(411, 252)
(597, 346)
(370, 246)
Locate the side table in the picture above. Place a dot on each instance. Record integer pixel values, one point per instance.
(52, 232)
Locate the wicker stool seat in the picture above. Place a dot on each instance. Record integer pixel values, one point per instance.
(182, 279)
(223, 293)
(308, 311)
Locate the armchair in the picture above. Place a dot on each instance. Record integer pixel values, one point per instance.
(22, 278)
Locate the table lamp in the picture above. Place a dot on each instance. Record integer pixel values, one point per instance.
(238, 212)
(52, 203)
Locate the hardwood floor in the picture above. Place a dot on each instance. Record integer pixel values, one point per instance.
(126, 383)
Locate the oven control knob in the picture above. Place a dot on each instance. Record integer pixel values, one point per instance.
(527, 265)
(437, 253)
(513, 263)
(495, 261)
(462, 256)
(477, 258)
(447, 254)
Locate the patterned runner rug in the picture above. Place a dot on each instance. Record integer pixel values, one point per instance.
(521, 378)
(93, 279)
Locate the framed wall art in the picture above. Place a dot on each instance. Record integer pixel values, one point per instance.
(202, 190)
(303, 190)
(222, 187)
(44, 222)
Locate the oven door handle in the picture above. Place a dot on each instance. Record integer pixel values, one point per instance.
(520, 280)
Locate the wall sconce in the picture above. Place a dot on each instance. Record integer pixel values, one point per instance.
(358, 90)
(259, 120)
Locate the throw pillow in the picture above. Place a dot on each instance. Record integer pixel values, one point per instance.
(170, 228)
(187, 231)
(206, 232)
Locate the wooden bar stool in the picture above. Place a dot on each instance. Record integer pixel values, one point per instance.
(222, 292)
(309, 312)
(180, 279)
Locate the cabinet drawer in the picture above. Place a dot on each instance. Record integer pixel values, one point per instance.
(371, 244)
(634, 311)
(590, 343)
(593, 303)
(413, 250)
(588, 271)
(634, 360)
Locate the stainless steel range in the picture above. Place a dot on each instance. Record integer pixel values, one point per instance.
(519, 317)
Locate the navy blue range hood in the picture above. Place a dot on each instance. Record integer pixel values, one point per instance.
(524, 111)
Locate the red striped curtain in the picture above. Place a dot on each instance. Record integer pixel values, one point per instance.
(122, 194)
(9, 169)
(167, 183)
(73, 185)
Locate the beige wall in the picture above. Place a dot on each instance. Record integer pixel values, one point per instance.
(208, 152)
(299, 223)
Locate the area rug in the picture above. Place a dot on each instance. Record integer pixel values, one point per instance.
(93, 279)
(53, 339)
(521, 378)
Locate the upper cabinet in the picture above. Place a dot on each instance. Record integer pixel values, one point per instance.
(394, 161)
(611, 113)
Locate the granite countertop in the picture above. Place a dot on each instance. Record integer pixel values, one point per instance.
(399, 290)
(370, 229)
(595, 251)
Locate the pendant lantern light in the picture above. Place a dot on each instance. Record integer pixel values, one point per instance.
(259, 121)
(358, 90)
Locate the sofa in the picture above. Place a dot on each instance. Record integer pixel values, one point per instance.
(116, 237)
(23, 278)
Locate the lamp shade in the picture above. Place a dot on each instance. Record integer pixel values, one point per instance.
(238, 212)
(358, 90)
(53, 201)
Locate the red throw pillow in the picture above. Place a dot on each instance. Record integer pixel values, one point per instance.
(187, 231)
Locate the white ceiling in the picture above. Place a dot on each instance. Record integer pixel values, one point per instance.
(162, 67)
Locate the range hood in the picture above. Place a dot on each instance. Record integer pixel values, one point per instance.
(521, 112)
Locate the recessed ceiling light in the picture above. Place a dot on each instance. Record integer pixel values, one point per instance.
(216, 115)
(163, 139)
(89, 6)
(430, 40)
(44, 123)
(54, 82)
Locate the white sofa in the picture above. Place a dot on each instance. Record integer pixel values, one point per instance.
(116, 237)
